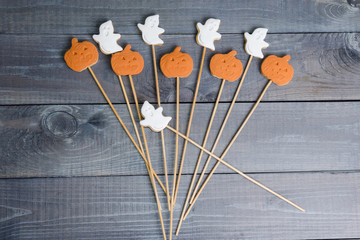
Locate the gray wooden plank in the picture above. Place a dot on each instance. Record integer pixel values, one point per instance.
(83, 140)
(32, 70)
(83, 17)
(231, 208)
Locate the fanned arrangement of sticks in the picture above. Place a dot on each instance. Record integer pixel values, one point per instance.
(177, 65)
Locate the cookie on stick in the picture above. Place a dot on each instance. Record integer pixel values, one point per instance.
(277, 70)
(130, 63)
(83, 56)
(107, 41)
(176, 65)
(151, 35)
(254, 45)
(206, 36)
(228, 68)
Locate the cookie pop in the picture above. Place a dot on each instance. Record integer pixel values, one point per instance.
(175, 65)
(151, 30)
(207, 33)
(274, 68)
(150, 34)
(277, 69)
(107, 39)
(206, 36)
(228, 68)
(153, 118)
(254, 44)
(83, 55)
(130, 63)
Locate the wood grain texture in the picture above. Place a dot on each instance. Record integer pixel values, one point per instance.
(32, 70)
(68, 171)
(83, 17)
(83, 140)
(124, 208)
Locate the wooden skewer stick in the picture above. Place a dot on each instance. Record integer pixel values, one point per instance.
(200, 155)
(133, 120)
(190, 121)
(171, 221)
(176, 153)
(235, 169)
(123, 125)
(148, 156)
(132, 116)
(177, 137)
(130, 112)
(221, 128)
(162, 132)
(229, 146)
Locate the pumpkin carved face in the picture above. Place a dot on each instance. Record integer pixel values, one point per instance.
(277, 69)
(176, 64)
(81, 55)
(226, 66)
(127, 62)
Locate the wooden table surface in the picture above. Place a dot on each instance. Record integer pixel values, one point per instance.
(68, 171)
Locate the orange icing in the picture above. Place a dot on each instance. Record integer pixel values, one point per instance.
(176, 64)
(127, 62)
(226, 66)
(277, 69)
(81, 55)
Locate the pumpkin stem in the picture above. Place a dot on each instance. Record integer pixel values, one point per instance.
(128, 47)
(177, 49)
(232, 53)
(74, 41)
(287, 57)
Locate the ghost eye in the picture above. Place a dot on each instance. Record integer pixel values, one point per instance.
(134, 58)
(123, 58)
(224, 61)
(172, 59)
(75, 53)
(85, 49)
(277, 64)
(183, 60)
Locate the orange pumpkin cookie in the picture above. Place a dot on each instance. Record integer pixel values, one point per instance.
(277, 69)
(226, 66)
(127, 62)
(176, 64)
(81, 55)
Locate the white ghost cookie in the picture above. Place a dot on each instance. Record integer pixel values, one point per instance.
(151, 31)
(207, 33)
(106, 38)
(153, 118)
(255, 42)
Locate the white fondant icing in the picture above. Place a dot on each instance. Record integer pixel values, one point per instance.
(106, 38)
(207, 33)
(153, 118)
(255, 42)
(151, 31)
